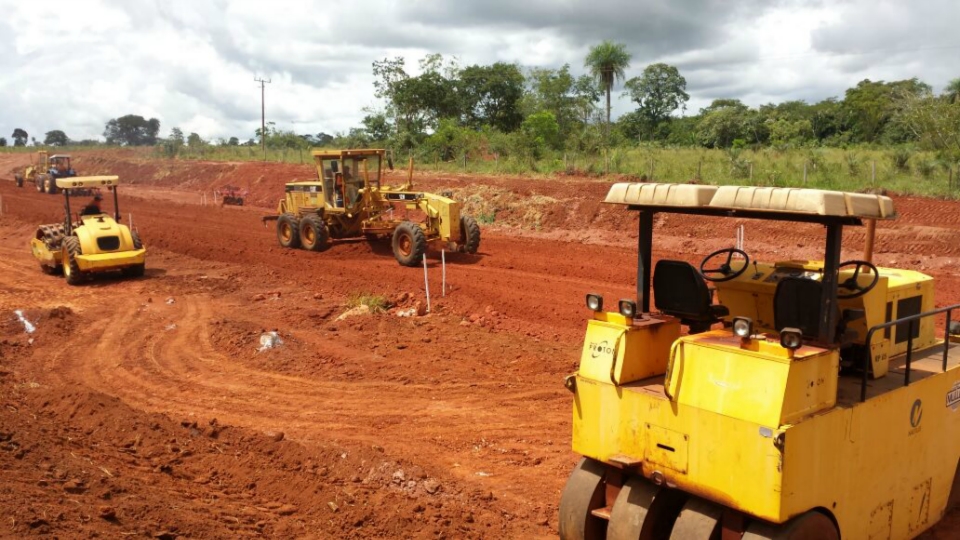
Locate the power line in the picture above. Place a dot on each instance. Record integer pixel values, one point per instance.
(263, 116)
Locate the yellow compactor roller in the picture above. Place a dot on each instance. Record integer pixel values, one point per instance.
(89, 240)
(759, 400)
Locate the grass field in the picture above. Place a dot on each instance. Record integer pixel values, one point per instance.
(898, 170)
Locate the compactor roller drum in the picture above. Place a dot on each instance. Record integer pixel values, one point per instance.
(583, 494)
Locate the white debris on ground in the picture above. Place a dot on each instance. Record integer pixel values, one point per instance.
(269, 340)
(27, 326)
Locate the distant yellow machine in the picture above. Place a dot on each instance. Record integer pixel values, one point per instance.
(90, 241)
(812, 400)
(45, 171)
(348, 201)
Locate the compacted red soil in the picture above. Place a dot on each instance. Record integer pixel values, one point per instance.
(145, 407)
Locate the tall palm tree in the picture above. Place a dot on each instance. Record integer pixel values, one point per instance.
(952, 92)
(607, 62)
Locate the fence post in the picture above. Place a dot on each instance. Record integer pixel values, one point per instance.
(699, 166)
(804, 173)
(873, 173)
(426, 282)
(751, 172)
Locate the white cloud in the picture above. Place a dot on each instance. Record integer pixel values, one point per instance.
(73, 65)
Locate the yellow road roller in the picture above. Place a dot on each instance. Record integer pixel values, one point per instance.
(742, 399)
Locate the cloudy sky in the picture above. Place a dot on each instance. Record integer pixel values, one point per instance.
(74, 64)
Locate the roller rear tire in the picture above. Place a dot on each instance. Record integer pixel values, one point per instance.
(71, 271)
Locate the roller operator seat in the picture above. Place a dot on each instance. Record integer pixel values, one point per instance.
(680, 291)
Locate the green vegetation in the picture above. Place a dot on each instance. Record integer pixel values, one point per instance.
(504, 119)
(376, 303)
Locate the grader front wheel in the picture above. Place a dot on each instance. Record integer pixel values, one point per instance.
(409, 243)
(469, 235)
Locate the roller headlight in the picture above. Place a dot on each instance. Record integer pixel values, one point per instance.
(628, 308)
(595, 302)
(743, 327)
(791, 338)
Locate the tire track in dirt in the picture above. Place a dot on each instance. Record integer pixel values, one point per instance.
(180, 373)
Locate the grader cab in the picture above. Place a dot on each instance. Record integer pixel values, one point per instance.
(349, 200)
(805, 400)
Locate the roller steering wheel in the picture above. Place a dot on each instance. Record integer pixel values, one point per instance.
(851, 282)
(725, 270)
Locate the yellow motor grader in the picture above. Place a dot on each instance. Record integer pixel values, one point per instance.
(91, 240)
(348, 200)
(800, 400)
(45, 171)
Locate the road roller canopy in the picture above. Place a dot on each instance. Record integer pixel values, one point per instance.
(87, 182)
(833, 209)
(788, 204)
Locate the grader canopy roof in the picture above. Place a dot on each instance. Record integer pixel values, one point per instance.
(337, 154)
(87, 181)
(795, 204)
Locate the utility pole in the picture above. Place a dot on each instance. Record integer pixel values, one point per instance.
(263, 116)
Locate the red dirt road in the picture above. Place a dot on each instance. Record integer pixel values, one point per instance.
(143, 407)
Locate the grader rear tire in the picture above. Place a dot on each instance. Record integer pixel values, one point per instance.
(409, 243)
(583, 493)
(71, 271)
(313, 233)
(288, 231)
(469, 234)
(809, 526)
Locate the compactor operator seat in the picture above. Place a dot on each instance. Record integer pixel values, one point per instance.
(680, 291)
(797, 304)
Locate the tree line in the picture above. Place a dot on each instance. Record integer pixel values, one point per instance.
(501, 109)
